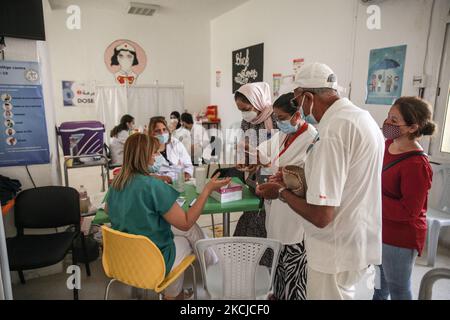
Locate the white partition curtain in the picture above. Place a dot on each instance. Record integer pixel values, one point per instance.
(142, 102)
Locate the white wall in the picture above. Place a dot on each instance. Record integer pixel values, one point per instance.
(177, 48)
(325, 31)
(289, 29)
(402, 22)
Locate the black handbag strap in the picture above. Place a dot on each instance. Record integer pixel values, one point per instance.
(413, 154)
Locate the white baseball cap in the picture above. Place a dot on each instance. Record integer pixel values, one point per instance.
(314, 76)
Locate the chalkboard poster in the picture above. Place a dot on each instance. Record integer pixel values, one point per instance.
(248, 65)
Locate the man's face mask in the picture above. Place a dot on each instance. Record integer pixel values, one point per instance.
(310, 117)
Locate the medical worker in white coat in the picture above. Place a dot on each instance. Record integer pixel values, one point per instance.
(287, 147)
(173, 152)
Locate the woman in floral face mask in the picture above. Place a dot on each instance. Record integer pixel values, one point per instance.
(406, 180)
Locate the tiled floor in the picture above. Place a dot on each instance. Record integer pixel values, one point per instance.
(92, 288)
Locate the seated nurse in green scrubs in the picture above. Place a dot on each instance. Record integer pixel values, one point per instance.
(140, 204)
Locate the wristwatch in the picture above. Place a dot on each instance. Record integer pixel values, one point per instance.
(280, 191)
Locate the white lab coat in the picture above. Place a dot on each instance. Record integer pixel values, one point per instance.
(197, 136)
(184, 135)
(176, 154)
(282, 223)
(117, 145)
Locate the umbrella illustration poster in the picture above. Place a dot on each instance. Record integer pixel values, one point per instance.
(385, 79)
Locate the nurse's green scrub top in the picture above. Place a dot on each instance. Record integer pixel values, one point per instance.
(139, 209)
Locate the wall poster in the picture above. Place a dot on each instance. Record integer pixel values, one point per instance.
(23, 129)
(248, 65)
(78, 93)
(125, 59)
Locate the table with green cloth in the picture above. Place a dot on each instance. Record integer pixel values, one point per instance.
(249, 202)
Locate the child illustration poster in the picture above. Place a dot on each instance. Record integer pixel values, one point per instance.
(385, 78)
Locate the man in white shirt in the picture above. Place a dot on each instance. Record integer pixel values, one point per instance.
(198, 139)
(342, 210)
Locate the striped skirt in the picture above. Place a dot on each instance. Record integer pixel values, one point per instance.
(290, 274)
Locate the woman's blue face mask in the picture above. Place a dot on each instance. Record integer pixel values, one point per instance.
(157, 164)
(163, 138)
(286, 127)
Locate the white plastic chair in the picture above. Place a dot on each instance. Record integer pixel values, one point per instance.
(238, 274)
(438, 217)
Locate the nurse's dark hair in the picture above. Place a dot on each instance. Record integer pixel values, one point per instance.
(286, 104)
(115, 61)
(187, 118)
(176, 114)
(241, 96)
(415, 110)
(122, 125)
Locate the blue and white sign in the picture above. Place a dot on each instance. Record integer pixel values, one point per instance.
(23, 130)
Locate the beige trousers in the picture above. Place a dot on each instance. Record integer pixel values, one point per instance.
(339, 286)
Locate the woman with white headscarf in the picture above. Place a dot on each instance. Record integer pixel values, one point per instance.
(254, 100)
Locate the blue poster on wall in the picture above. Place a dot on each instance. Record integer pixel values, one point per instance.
(23, 130)
(385, 79)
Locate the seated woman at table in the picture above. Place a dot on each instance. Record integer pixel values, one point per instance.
(287, 147)
(139, 204)
(172, 150)
(119, 134)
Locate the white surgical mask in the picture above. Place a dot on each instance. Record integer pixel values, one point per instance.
(125, 63)
(249, 115)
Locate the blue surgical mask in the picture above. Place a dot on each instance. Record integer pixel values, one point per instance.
(310, 117)
(163, 138)
(286, 127)
(159, 162)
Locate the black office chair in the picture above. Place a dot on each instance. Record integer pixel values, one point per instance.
(44, 208)
(107, 151)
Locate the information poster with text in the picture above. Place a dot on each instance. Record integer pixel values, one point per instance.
(23, 130)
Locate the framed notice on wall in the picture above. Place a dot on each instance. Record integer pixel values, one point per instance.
(248, 65)
(23, 130)
(78, 93)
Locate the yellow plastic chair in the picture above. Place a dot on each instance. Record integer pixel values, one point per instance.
(138, 262)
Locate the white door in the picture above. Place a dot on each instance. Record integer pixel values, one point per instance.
(440, 143)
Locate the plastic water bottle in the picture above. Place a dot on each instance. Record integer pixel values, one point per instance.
(179, 183)
(84, 200)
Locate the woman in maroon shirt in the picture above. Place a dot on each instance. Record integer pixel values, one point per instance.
(406, 180)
